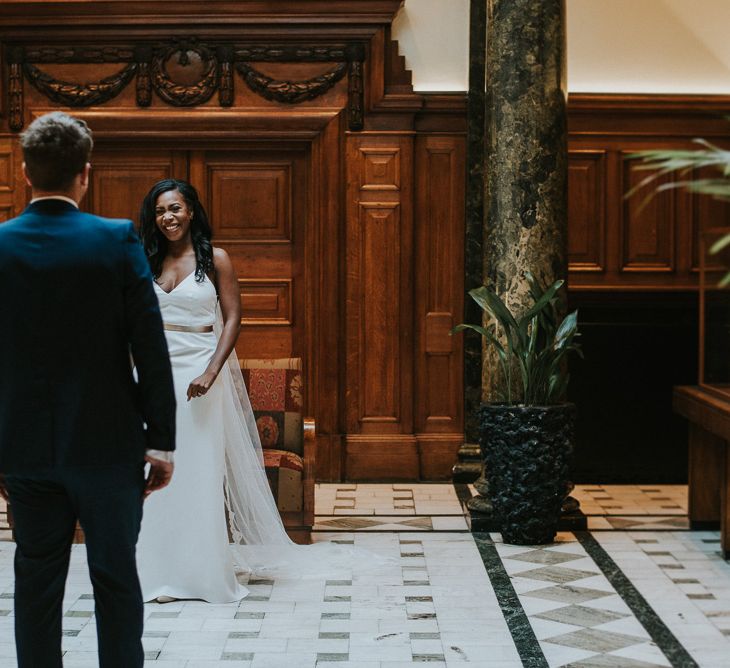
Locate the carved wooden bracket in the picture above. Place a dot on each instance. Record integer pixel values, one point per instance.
(226, 91)
(143, 56)
(15, 89)
(167, 69)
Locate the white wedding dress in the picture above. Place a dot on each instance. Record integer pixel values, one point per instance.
(219, 490)
(183, 548)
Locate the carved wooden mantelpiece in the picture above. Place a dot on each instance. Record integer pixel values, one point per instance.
(210, 64)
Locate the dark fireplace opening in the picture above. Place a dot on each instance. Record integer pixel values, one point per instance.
(637, 346)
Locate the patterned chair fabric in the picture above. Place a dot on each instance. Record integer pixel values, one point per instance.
(275, 390)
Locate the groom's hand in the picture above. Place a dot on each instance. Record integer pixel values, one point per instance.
(159, 475)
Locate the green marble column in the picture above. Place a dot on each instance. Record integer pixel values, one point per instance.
(526, 167)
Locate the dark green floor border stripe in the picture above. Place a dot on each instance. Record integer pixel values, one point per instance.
(518, 624)
(665, 640)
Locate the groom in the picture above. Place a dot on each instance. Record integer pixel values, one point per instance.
(75, 428)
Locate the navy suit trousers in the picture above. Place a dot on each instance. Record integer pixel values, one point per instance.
(107, 501)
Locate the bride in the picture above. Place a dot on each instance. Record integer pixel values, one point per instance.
(184, 549)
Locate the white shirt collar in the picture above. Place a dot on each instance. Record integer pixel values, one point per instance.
(61, 197)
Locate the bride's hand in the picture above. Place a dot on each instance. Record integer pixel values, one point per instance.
(201, 385)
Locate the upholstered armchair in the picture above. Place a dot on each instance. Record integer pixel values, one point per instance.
(276, 390)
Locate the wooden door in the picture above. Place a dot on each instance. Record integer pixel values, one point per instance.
(256, 199)
(121, 177)
(261, 198)
(256, 202)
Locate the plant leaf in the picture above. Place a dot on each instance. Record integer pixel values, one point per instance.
(546, 298)
(724, 281)
(463, 326)
(721, 243)
(479, 296)
(567, 329)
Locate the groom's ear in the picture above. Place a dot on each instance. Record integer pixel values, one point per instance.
(25, 175)
(85, 175)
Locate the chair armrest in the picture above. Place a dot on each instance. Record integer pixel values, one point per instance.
(310, 447)
(310, 431)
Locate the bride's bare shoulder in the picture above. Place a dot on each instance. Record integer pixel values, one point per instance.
(220, 256)
(222, 268)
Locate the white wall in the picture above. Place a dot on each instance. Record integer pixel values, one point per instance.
(622, 46)
(433, 35)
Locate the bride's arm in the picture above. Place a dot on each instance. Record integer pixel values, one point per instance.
(230, 300)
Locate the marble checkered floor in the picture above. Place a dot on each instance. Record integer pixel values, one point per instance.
(633, 592)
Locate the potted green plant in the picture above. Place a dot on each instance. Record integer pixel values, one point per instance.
(526, 436)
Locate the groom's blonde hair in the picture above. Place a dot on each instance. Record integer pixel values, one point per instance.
(56, 148)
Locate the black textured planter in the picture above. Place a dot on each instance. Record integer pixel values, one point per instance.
(527, 451)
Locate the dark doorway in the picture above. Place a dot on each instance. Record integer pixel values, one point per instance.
(637, 346)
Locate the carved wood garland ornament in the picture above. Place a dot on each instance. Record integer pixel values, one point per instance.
(185, 74)
(78, 95)
(290, 92)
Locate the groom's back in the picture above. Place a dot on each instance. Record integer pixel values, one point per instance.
(67, 394)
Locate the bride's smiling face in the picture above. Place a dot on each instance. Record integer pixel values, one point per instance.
(173, 215)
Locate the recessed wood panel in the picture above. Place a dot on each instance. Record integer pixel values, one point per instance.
(647, 226)
(440, 280)
(382, 458)
(379, 323)
(7, 176)
(266, 302)
(587, 210)
(707, 213)
(6, 213)
(438, 327)
(381, 168)
(251, 202)
(437, 454)
(438, 394)
(120, 179)
(379, 377)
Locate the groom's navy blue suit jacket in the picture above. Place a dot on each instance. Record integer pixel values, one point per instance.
(76, 298)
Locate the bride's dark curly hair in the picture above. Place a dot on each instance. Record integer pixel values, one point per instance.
(155, 243)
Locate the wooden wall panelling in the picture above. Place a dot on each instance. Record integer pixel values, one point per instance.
(321, 232)
(3, 82)
(375, 70)
(614, 207)
(439, 260)
(379, 417)
(647, 230)
(587, 210)
(654, 248)
(11, 180)
(121, 177)
(706, 213)
(656, 118)
(325, 297)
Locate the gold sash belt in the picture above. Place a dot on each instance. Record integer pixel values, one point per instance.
(202, 329)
